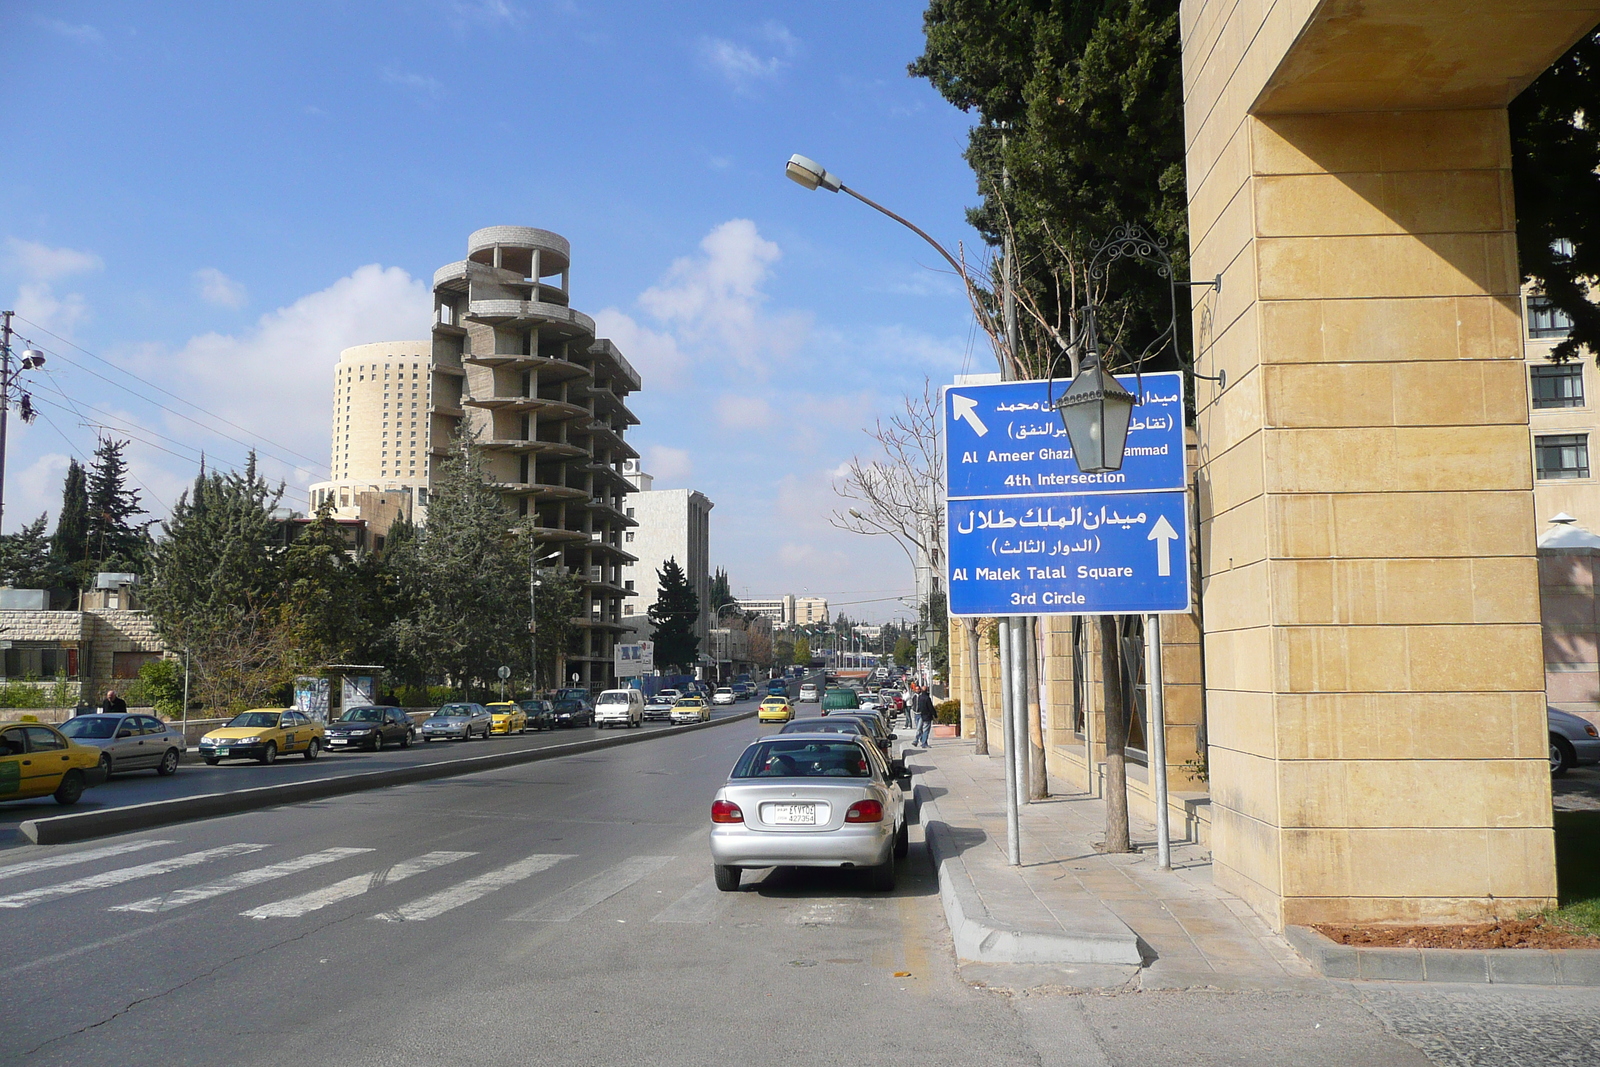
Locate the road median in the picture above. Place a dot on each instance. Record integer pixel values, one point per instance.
(81, 826)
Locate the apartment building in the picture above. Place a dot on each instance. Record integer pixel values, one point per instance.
(811, 610)
(670, 524)
(1562, 419)
(779, 610)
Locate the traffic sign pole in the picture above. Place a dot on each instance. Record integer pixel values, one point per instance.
(1008, 737)
(1155, 703)
(1019, 704)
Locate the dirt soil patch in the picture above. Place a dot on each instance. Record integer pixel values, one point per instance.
(1512, 933)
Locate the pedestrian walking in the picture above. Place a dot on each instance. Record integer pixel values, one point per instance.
(925, 714)
(114, 705)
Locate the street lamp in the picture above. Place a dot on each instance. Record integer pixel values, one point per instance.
(1096, 410)
(32, 359)
(533, 611)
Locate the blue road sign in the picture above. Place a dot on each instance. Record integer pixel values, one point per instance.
(1075, 554)
(1005, 439)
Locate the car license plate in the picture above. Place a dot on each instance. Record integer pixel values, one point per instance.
(222, 752)
(794, 814)
(336, 741)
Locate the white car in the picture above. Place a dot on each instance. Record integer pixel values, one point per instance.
(725, 695)
(659, 706)
(809, 693)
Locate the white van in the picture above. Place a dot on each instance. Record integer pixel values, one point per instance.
(619, 707)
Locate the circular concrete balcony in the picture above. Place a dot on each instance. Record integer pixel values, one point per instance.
(548, 410)
(548, 318)
(517, 244)
(550, 370)
(541, 492)
(520, 445)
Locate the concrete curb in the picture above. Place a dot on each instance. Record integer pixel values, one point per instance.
(62, 829)
(979, 936)
(1497, 966)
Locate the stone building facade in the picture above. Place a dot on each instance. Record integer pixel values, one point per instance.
(97, 649)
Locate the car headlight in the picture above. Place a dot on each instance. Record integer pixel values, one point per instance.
(359, 733)
(242, 740)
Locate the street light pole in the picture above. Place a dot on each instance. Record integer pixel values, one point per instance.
(534, 559)
(31, 359)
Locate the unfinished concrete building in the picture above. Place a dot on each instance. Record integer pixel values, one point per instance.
(547, 400)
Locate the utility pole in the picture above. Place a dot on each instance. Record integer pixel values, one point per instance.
(31, 359)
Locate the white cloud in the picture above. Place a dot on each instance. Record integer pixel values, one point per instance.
(667, 464)
(745, 412)
(654, 355)
(35, 489)
(714, 301)
(217, 288)
(420, 84)
(38, 303)
(741, 65)
(82, 33)
(41, 263)
(488, 11)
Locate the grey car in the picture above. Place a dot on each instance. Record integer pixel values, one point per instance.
(129, 742)
(458, 721)
(1574, 740)
(809, 800)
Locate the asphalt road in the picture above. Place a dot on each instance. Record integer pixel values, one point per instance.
(564, 913)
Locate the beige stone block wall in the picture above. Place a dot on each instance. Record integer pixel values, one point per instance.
(1373, 656)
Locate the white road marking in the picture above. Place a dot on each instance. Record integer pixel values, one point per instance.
(294, 907)
(125, 874)
(243, 880)
(470, 890)
(575, 900)
(699, 905)
(67, 859)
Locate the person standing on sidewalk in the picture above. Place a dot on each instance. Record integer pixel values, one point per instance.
(925, 715)
(114, 705)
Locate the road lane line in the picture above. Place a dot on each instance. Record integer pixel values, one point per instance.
(125, 874)
(294, 907)
(50, 862)
(473, 888)
(95, 946)
(243, 880)
(575, 900)
(699, 905)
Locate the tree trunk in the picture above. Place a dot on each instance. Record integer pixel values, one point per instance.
(1038, 780)
(1116, 737)
(980, 722)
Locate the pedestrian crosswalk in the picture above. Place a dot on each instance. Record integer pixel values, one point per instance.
(535, 887)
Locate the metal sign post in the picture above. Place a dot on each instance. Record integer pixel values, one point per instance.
(1008, 738)
(1155, 703)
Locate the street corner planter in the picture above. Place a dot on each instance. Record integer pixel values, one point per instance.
(947, 731)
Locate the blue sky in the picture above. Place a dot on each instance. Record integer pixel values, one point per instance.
(218, 198)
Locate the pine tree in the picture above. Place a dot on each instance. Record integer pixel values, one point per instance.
(69, 544)
(25, 561)
(905, 653)
(327, 604)
(114, 539)
(674, 615)
(721, 592)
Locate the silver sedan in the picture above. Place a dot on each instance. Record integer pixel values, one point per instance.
(129, 742)
(458, 720)
(809, 800)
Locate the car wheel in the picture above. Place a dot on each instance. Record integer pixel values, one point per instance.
(727, 877)
(71, 788)
(313, 747)
(271, 754)
(169, 763)
(105, 764)
(902, 841)
(881, 877)
(1561, 756)
(377, 741)
(212, 761)
(405, 739)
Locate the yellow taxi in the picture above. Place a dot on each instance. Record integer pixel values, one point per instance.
(37, 760)
(690, 709)
(264, 734)
(507, 718)
(775, 709)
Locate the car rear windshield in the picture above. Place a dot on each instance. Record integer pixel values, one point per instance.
(803, 759)
(824, 726)
(840, 698)
(255, 718)
(362, 715)
(90, 726)
(450, 711)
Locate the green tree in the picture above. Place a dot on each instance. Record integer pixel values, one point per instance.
(163, 686)
(114, 537)
(558, 606)
(905, 653)
(25, 559)
(1080, 129)
(468, 612)
(674, 616)
(802, 650)
(215, 588)
(721, 592)
(1555, 168)
(69, 545)
(935, 619)
(331, 603)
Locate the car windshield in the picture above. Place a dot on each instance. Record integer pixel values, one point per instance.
(797, 758)
(90, 726)
(532, 705)
(825, 726)
(614, 698)
(690, 702)
(453, 711)
(362, 715)
(870, 725)
(255, 719)
(568, 705)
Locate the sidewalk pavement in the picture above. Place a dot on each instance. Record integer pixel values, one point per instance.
(1070, 916)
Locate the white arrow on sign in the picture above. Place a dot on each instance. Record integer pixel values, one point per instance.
(1163, 535)
(967, 408)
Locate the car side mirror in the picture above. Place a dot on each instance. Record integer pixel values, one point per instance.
(894, 737)
(897, 767)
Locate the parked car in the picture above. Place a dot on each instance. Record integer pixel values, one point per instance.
(129, 742)
(507, 717)
(574, 711)
(808, 800)
(540, 712)
(691, 709)
(37, 760)
(881, 735)
(371, 728)
(263, 734)
(775, 709)
(619, 707)
(842, 724)
(458, 721)
(725, 695)
(1574, 741)
(809, 693)
(840, 699)
(660, 705)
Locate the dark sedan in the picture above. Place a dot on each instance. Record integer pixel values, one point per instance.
(574, 711)
(541, 714)
(370, 728)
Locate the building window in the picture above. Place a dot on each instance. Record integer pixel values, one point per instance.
(1545, 319)
(1561, 456)
(628, 536)
(1557, 385)
(628, 585)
